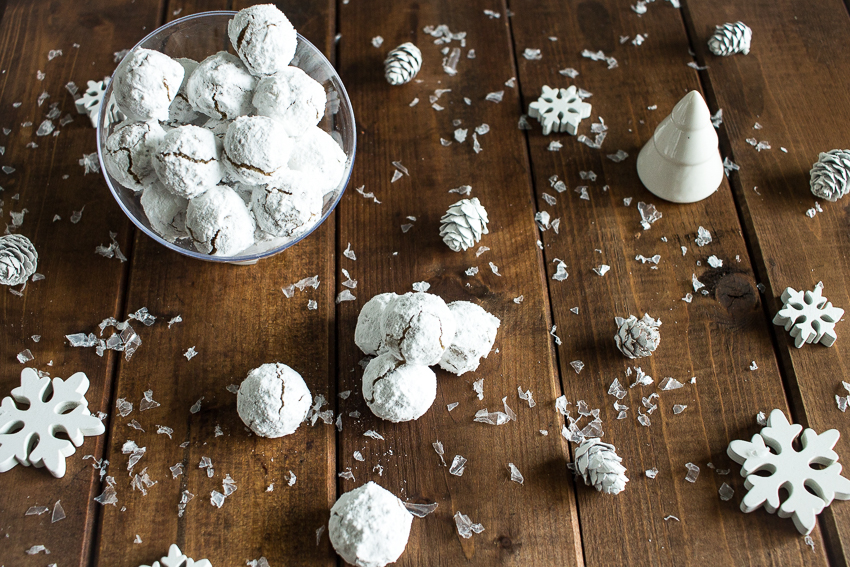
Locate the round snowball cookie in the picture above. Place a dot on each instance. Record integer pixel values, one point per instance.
(398, 391)
(219, 222)
(264, 39)
(181, 110)
(221, 87)
(369, 526)
(128, 153)
(273, 400)
(165, 211)
(187, 161)
(292, 97)
(318, 153)
(146, 83)
(476, 333)
(368, 335)
(256, 149)
(418, 328)
(287, 207)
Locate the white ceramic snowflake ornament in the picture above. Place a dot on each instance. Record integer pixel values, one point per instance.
(559, 110)
(176, 558)
(771, 452)
(92, 101)
(809, 316)
(28, 436)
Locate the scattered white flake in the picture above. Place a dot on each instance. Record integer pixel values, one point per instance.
(554, 146)
(438, 448)
(373, 435)
(560, 271)
(643, 259)
(558, 341)
(696, 283)
(618, 157)
(37, 510)
(111, 251)
(478, 387)
(679, 408)
(543, 432)
(491, 418)
(761, 419)
(190, 353)
(523, 124)
(472, 271)
(542, 218)
(367, 195)
(641, 378)
(670, 383)
(176, 470)
(729, 166)
(703, 237)
(196, 407)
(45, 128)
(465, 527)
(346, 474)
(77, 215)
(717, 118)
(569, 72)
(617, 390)
(462, 190)
(89, 163)
(420, 510)
(516, 476)
(421, 286)
(37, 549)
(491, 14)
(377, 41)
(358, 456)
(550, 200)
(495, 269)
(496, 96)
(452, 406)
(527, 396)
(458, 466)
(135, 425)
(396, 176)
(577, 366)
(648, 214)
(561, 405)
(532, 54)
(726, 492)
(345, 295)
(810, 542)
(476, 145)
(697, 66)
(693, 472)
(519, 299)
(25, 356)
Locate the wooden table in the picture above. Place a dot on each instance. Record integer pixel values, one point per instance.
(794, 83)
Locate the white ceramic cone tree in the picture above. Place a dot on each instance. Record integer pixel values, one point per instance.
(681, 163)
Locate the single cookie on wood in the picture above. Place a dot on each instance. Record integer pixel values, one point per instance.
(293, 98)
(221, 87)
(264, 39)
(398, 391)
(369, 526)
(476, 333)
(219, 222)
(368, 334)
(418, 328)
(187, 161)
(146, 83)
(273, 400)
(128, 153)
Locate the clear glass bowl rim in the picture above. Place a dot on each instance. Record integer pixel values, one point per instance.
(251, 258)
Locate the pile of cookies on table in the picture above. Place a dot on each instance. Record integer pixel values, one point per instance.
(226, 153)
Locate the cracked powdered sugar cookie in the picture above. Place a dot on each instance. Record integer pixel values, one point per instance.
(146, 83)
(318, 153)
(264, 39)
(289, 206)
(256, 149)
(128, 150)
(398, 391)
(368, 335)
(293, 98)
(273, 400)
(476, 333)
(221, 87)
(187, 161)
(418, 328)
(165, 211)
(219, 222)
(181, 110)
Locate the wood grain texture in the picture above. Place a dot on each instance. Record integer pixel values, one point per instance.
(81, 288)
(237, 318)
(793, 85)
(714, 338)
(532, 524)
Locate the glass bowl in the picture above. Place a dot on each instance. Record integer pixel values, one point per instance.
(197, 37)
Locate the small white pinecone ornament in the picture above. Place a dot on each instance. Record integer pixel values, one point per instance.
(830, 176)
(729, 39)
(599, 465)
(402, 64)
(18, 259)
(635, 337)
(463, 224)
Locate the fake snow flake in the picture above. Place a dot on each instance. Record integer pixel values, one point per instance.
(374, 435)
(458, 466)
(726, 492)
(559, 110)
(809, 316)
(648, 214)
(532, 54)
(618, 157)
(420, 510)
(346, 474)
(377, 41)
(190, 353)
(577, 366)
(693, 472)
(617, 390)
(109, 495)
(452, 406)
(367, 195)
(421, 287)
(37, 510)
(148, 401)
(527, 396)
(41, 420)
(37, 549)
(809, 490)
(729, 166)
(558, 341)
(111, 251)
(641, 378)
(465, 527)
(496, 96)
(495, 269)
(196, 407)
(679, 408)
(516, 476)
(491, 418)
(670, 383)
(345, 295)
(90, 163)
(703, 237)
(471, 271)
(560, 272)
(569, 72)
(696, 283)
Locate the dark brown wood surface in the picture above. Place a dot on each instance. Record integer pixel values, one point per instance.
(236, 317)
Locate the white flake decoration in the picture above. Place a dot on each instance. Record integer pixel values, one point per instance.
(92, 101)
(559, 110)
(809, 490)
(808, 316)
(176, 558)
(65, 411)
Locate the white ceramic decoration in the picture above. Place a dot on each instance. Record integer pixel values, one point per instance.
(559, 110)
(91, 101)
(176, 558)
(771, 453)
(35, 442)
(681, 163)
(809, 316)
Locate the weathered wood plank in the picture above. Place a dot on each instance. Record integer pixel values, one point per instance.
(236, 318)
(533, 524)
(81, 288)
(714, 338)
(792, 84)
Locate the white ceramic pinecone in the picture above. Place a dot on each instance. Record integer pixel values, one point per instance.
(830, 176)
(402, 64)
(18, 259)
(731, 38)
(598, 464)
(635, 337)
(463, 224)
